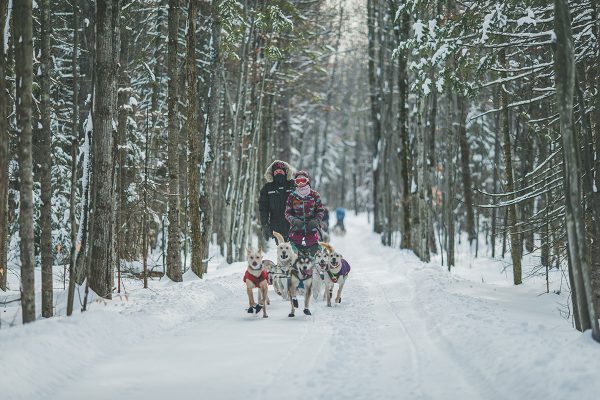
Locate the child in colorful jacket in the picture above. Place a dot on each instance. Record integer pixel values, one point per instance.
(304, 211)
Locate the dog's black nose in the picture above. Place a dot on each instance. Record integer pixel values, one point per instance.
(254, 263)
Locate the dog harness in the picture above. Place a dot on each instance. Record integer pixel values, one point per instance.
(345, 270)
(256, 279)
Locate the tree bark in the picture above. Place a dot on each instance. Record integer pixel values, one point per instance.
(4, 150)
(193, 139)
(23, 23)
(174, 250)
(496, 178)
(74, 148)
(510, 183)
(449, 178)
(423, 185)
(45, 162)
(404, 136)
(465, 159)
(102, 211)
(211, 127)
(375, 97)
(564, 64)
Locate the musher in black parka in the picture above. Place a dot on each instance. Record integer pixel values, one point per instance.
(273, 198)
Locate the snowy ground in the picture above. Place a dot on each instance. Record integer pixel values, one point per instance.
(405, 330)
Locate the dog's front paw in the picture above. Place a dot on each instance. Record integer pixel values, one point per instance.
(295, 302)
(265, 316)
(338, 300)
(307, 311)
(291, 315)
(258, 307)
(251, 310)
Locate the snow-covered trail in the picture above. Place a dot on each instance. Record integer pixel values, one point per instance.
(404, 330)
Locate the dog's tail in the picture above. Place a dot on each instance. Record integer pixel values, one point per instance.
(327, 246)
(279, 238)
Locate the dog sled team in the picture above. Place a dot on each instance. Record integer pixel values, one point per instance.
(292, 213)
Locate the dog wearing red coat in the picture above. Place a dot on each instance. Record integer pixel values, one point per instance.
(257, 276)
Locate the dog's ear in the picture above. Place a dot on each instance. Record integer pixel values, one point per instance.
(248, 251)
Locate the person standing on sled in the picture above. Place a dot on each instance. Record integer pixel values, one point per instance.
(273, 197)
(304, 212)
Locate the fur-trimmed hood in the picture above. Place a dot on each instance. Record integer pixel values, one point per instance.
(289, 171)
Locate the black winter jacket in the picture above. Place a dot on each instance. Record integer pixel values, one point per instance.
(271, 204)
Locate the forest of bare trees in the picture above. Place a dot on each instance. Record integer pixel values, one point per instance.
(138, 127)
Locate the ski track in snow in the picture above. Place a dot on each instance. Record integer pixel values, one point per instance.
(404, 330)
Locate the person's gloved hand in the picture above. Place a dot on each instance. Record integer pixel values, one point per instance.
(312, 224)
(298, 223)
(266, 232)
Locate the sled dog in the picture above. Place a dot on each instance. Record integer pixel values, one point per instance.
(256, 277)
(301, 273)
(271, 269)
(286, 257)
(321, 265)
(337, 271)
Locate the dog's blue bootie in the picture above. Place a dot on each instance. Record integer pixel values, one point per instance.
(295, 302)
(291, 315)
(258, 307)
(307, 311)
(251, 310)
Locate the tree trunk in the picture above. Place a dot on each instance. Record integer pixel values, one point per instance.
(423, 185)
(24, 63)
(496, 177)
(283, 129)
(404, 136)
(45, 162)
(449, 178)
(510, 183)
(102, 211)
(193, 139)
(431, 170)
(74, 149)
(174, 250)
(465, 159)
(4, 150)
(564, 64)
(526, 167)
(375, 96)
(211, 127)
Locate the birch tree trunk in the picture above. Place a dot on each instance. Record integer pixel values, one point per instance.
(564, 65)
(45, 162)
(4, 150)
(174, 250)
(102, 211)
(24, 77)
